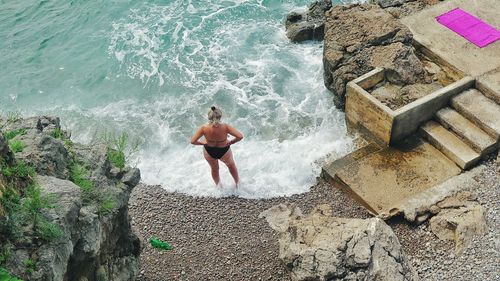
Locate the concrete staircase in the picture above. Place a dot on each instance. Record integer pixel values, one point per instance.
(466, 131)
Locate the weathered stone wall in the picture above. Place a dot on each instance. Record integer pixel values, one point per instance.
(359, 38)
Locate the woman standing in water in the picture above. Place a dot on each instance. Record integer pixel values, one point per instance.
(216, 144)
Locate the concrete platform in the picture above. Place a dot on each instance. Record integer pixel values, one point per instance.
(380, 179)
(478, 139)
(484, 112)
(449, 48)
(452, 146)
(486, 83)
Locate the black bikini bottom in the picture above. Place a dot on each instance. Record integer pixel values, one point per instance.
(216, 152)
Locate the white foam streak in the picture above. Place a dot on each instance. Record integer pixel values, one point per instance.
(268, 88)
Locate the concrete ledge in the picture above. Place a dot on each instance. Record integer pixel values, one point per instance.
(422, 202)
(409, 117)
(365, 111)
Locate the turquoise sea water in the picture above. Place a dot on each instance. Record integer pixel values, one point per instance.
(153, 68)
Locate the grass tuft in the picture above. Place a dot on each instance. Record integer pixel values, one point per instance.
(79, 175)
(107, 205)
(20, 170)
(120, 147)
(14, 133)
(58, 133)
(30, 266)
(16, 146)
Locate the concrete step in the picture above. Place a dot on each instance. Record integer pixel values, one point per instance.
(449, 144)
(478, 139)
(479, 109)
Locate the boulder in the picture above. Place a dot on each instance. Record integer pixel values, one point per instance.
(309, 25)
(391, 3)
(459, 221)
(319, 246)
(359, 38)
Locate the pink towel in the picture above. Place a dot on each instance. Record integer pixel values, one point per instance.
(469, 27)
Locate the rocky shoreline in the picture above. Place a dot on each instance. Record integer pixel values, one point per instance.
(93, 231)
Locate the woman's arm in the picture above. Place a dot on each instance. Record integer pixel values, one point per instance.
(235, 133)
(197, 136)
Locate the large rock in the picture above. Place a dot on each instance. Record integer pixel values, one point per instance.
(391, 3)
(43, 151)
(459, 220)
(359, 38)
(309, 25)
(322, 247)
(98, 242)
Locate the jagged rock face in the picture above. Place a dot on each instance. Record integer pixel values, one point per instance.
(95, 245)
(5, 153)
(44, 152)
(309, 25)
(322, 247)
(359, 38)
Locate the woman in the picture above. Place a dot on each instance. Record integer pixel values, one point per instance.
(216, 144)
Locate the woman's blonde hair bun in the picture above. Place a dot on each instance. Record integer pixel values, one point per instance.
(214, 115)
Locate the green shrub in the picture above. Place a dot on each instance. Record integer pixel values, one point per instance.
(68, 143)
(16, 146)
(119, 148)
(90, 195)
(14, 133)
(5, 275)
(30, 266)
(117, 158)
(33, 204)
(4, 255)
(58, 133)
(48, 231)
(9, 224)
(19, 170)
(79, 174)
(107, 205)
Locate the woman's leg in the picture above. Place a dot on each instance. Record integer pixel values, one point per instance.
(229, 161)
(214, 166)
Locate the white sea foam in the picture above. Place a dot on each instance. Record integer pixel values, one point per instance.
(268, 88)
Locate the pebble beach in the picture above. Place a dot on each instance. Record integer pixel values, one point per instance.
(224, 238)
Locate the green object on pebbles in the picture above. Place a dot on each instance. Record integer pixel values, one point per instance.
(158, 244)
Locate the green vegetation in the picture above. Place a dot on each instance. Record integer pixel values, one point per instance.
(13, 116)
(58, 134)
(25, 210)
(20, 170)
(33, 204)
(30, 266)
(4, 255)
(116, 148)
(119, 147)
(10, 223)
(12, 134)
(107, 206)
(16, 146)
(5, 275)
(68, 143)
(79, 175)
